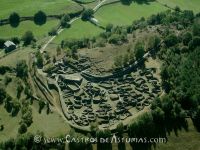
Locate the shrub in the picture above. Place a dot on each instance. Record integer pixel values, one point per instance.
(139, 51)
(2, 95)
(87, 14)
(7, 80)
(187, 37)
(109, 27)
(22, 69)
(23, 128)
(171, 40)
(40, 60)
(114, 39)
(196, 29)
(15, 40)
(52, 32)
(64, 21)
(28, 37)
(2, 41)
(4, 69)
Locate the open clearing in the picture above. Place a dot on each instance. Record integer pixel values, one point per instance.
(119, 14)
(30, 7)
(183, 4)
(14, 57)
(6, 31)
(79, 29)
(51, 125)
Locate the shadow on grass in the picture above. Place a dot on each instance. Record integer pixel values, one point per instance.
(128, 2)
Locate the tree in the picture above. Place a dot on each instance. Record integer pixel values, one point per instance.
(139, 51)
(143, 128)
(40, 18)
(40, 60)
(114, 39)
(159, 120)
(22, 69)
(171, 40)
(7, 80)
(109, 27)
(153, 42)
(58, 50)
(27, 92)
(52, 32)
(2, 41)
(27, 115)
(126, 59)
(14, 19)
(87, 14)
(41, 105)
(104, 144)
(118, 62)
(28, 37)
(126, 2)
(64, 22)
(15, 40)
(194, 43)
(177, 8)
(187, 37)
(16, 107)
(2, 95)
(20, 88)
(196, 29)
(22, 128)
(120, 131)
(8, 103)
(196, 119)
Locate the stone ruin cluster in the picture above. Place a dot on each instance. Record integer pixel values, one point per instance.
(104, 102)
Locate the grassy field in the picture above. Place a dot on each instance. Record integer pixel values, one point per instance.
(183, 4)
(51, 125)
(184, 141)
(14, 57)
(7, 31)
(30, 7)
(79, 29)
(119, 14)
(11, 124)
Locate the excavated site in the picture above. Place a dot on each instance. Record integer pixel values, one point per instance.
(104, 99)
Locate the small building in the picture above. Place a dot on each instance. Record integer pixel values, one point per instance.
(94, 20)
(9, 46)
(71, 78)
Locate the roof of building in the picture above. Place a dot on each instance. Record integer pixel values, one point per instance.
(9, 43)
(72, 77)
(94, 20)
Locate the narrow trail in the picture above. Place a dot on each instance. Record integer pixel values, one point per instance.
(60, 30)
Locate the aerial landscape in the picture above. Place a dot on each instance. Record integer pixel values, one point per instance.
(100, 74)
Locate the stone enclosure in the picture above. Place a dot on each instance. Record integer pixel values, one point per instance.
(107, 101)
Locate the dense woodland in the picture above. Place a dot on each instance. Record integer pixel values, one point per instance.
(178, 49)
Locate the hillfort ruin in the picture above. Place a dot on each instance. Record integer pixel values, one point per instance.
(102, 99)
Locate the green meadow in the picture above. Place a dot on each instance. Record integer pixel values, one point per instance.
(79, 29)
(6, 31)
(30, 7)
(119, 14)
